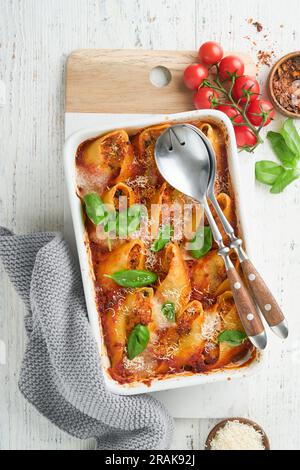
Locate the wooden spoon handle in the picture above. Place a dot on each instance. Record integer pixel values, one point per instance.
(264, 298)
(247, 311)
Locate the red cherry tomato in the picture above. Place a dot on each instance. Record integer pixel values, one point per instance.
(194, 75)
(229, 65)
(244, 136)
(231, 112)
(210, 53)
(203, 98)
(243, 85)
(260, 107)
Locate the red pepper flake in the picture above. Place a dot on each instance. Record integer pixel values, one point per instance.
(265, 57)
(250, 40)
(258, 26)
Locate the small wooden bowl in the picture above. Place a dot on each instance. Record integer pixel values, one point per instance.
(220, 425)
(277, 105)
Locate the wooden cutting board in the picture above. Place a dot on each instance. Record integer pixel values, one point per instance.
(118, 81)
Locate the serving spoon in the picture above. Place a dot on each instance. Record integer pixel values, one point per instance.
(182, 158)
(261, 293)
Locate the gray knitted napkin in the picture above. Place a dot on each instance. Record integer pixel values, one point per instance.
(60, 374)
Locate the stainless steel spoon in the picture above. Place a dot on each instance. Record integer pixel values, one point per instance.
(261, 293)
(182, 158)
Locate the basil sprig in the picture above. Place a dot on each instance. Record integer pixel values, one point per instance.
(201, 243)
(164, 236)
(137, 341)
(129, 221)
(281, 149)
(267, 172)
(291, 136)
(286, 178)
(95, 208)
(232, 337)
(133, 278)
(168, 310)
(286, 146)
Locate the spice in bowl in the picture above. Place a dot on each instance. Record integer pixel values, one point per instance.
(237, 434)
(284, 85)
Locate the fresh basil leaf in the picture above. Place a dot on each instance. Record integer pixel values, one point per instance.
(267, 172)
(95, 208)
(110, 221)
(291, 136)
(135, 214)
(137, 341)
(133, 278)
(232, 337)
(164, 236)
(168, 310)
(201, 243)
(121, 224)
(129, 221)
(281, 149)
(136, 210)
(283, 180)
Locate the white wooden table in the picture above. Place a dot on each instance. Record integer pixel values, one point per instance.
(35, 38)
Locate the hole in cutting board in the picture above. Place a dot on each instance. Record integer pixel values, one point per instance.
(160, 76)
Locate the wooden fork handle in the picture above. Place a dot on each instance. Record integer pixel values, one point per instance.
(264, 298)
(247, 311)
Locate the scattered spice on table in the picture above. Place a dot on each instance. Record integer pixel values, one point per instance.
(265, 58)
(258, 26)
(250, 40)
(286, 85)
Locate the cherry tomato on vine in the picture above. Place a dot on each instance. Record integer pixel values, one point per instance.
(245, 137)
(244, 86)
(210, 53)
(194, 75)
(231, 112)
(204, 98)
(258, 109)
(230, 65)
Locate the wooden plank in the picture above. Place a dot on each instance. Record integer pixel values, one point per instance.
(118, 81)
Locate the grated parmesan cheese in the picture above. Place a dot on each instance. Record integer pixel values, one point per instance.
(151, 259)
(140, 182)
(136, 364)
(237, 436)
(169, 352)
(141, 366)
(211, 327)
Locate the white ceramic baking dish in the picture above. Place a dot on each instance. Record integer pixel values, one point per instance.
(70, 148)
